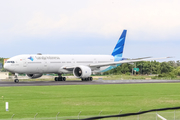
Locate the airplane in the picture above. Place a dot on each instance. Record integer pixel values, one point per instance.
(82, 66)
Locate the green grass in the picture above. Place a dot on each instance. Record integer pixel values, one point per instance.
(136, 77)
(25, 102)
(125, 77)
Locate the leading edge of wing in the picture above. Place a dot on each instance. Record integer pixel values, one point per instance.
(70, 68)
(124, 61)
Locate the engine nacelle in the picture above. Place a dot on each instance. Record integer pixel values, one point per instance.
(82, 72)
(32, 76)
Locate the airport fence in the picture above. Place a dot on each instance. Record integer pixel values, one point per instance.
(165, 115)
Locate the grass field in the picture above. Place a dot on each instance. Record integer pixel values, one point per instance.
(25, 102)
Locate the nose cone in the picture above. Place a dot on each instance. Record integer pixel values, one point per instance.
(8, 67)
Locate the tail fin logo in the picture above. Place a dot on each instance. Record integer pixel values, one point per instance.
(118, 50)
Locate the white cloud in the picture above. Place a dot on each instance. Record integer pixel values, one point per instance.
(145, 20)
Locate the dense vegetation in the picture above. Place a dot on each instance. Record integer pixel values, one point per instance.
(162, 69)
(1, 60)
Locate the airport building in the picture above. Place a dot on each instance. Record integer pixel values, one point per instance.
(4, 75)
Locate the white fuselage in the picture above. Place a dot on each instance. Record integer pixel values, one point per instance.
(32, 64)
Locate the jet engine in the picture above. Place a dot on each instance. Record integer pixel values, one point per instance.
(82, 72)
(32, 76)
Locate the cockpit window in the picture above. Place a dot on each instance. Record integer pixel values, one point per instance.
(10, 62)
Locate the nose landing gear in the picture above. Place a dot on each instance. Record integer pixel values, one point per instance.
(16, 78)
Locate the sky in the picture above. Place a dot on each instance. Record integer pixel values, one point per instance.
(90, 27)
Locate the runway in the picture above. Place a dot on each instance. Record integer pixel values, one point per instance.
(95, 82)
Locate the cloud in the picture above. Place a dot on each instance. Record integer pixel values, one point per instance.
(149, 20)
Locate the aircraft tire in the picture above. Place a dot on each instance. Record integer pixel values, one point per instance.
(64, 79)
(55, 79)
(16, 80)
(88, 79)
(59, 78)
(91, 78)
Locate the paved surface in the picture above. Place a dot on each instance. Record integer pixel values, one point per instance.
(47, 83)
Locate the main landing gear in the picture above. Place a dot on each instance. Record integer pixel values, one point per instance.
(87, 79)
(60, 78)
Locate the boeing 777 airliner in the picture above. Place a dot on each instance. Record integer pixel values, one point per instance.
(81, 66)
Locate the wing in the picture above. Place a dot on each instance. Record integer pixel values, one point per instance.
(140, 58)
(124, 61)
(70, 68)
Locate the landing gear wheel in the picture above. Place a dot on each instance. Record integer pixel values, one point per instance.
(56, 78)
(87, 79)
(84, 79)
(59, 78)
(64, 79)
(16, 80)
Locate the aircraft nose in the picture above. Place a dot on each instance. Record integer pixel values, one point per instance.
(7, 67)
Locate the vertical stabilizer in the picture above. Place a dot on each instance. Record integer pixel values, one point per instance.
(118, 50)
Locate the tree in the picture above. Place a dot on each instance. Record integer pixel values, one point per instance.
(165, 67)
(177, 71)
(172, 64)
(178, 63)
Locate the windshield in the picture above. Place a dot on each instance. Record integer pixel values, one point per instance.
(10, 62)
